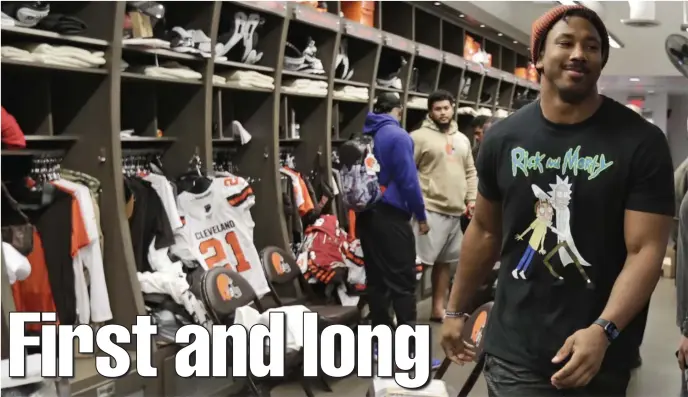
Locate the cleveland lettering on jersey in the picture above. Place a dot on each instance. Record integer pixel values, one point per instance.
(213, 230)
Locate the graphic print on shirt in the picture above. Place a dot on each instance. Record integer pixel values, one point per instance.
(542, 222)
(560, 197)
(558, 201)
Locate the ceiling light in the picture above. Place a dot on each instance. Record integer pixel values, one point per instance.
(651, 91)
(461, 16)
(437, 3)
(568, 2)
(500, 34)
(634, 79)
(615, 43)
(482, 26)
(515, 42)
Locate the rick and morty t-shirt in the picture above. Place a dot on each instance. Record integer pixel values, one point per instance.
(564, 190)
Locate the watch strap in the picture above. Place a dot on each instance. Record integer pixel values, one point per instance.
(609, 328)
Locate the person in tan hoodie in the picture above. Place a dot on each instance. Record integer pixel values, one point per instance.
(448, 180)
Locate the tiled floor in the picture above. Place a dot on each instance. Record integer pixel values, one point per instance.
(659, 375)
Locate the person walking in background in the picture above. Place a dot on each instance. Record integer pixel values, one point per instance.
(576, 330)
(385, 231)
(480, 125)
(448, 181)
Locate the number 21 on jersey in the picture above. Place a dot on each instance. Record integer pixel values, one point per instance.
(218, 254)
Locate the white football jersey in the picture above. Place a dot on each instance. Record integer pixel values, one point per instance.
(218, 229)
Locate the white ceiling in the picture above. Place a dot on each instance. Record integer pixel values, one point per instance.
(646, 84)
(643, 54)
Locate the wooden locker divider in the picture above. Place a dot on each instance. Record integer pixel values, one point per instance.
(182, 119)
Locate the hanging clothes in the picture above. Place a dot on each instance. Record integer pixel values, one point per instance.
(93, 186)
(93, 305)
(218, 229)
(163, 187)
(148, 221)
(302, 198)
(59, 234)
(323, 247)
(17, 266)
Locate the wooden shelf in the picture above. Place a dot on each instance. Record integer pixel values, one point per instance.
(46, 66)
(38, 34)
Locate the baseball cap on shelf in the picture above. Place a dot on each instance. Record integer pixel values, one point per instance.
(386, 101)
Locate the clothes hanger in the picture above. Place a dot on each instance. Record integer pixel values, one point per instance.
(36, 192)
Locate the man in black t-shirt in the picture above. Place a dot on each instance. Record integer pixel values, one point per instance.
(576, 272)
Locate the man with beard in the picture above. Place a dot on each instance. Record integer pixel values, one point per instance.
(448, 180)
(544, 333)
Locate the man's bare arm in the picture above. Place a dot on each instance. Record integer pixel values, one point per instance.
(479, 251)
(646, 237)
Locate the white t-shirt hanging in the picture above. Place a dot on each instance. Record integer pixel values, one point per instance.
(164, 189)
(218, 229)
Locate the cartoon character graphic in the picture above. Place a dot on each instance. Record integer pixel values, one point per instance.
(542, 222)
(560, 197)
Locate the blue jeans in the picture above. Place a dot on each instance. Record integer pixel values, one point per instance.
(524, 263)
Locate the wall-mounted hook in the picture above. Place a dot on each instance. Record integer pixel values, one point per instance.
(101, 157)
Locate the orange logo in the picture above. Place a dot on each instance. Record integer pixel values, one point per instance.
(224, 286)
(231, 181)
(370, 162)
(277, 263)
(478, 326)
(449, 148)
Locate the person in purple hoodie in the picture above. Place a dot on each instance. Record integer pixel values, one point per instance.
(385, 230)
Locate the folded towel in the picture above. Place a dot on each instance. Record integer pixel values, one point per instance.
(93, 59)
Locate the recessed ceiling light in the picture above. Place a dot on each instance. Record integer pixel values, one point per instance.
(515, 42)
(437, 3)
(634, 79)
(500, 34)
(482, 26)
(461, 16)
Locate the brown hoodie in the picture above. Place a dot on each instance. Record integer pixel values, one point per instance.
(446, 170)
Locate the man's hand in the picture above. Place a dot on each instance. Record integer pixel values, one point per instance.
(683, 353)
(423, 228)
(456, 349)
(470, 209)
(542, 251)
(586, 349)
(519, 237)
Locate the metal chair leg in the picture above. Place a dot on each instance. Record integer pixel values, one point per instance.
(323, 382)
(473, 377)
(443, 368)
(306, 387)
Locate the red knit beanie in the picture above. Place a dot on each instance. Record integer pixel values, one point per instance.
(542, 26)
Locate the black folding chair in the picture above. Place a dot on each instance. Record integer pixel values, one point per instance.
(223, 291)
(473, 332)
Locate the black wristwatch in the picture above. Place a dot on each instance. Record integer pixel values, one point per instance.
(609, 328)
